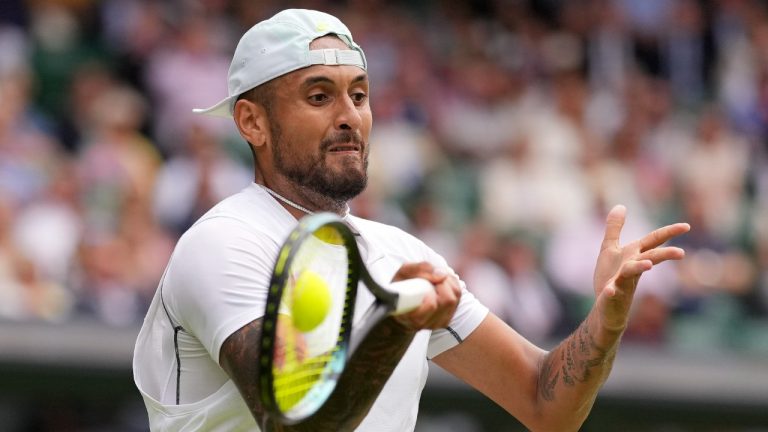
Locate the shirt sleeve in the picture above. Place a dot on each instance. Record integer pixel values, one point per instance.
(469, 314)
(217, 280)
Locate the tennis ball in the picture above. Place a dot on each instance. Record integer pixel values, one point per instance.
(311, 301)
(329, 234)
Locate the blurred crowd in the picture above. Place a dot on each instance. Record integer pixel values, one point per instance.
(504, 130)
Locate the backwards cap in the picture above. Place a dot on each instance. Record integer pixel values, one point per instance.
(280, 45)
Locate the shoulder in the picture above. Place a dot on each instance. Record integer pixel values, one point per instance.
(248, 212)
(395, 241)
(244, 228)
(383, 232)
(220, 268)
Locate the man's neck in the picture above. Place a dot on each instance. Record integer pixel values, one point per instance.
(300, 201)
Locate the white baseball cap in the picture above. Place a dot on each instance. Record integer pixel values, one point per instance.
(280, 45)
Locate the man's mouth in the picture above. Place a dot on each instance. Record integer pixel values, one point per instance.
(346, 147)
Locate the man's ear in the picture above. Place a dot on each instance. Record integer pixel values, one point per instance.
(252, 122)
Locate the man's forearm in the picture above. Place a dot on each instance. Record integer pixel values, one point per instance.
(361, 382)
(571, 374)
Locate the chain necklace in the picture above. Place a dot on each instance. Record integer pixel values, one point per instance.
(293, 204)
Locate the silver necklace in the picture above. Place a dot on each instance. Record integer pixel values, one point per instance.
(287, 201)
(293, 204)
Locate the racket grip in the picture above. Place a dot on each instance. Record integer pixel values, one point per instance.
(410, 294)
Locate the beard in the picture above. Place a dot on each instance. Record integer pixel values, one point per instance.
(310, 171)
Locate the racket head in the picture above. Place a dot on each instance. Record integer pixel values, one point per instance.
(303, 351)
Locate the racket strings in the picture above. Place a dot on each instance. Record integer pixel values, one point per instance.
(294, 382)
(307, 358)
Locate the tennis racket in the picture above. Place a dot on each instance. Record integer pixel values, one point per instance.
(307, 336)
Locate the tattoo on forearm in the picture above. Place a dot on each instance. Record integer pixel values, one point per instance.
(572, 362)
(238, 358)
(363, 378)
(548, 376)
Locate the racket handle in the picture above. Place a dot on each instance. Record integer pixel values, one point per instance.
(410, 293)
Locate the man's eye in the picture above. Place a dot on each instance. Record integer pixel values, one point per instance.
(318, 98)
(359, 97)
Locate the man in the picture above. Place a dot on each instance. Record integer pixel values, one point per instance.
(298, 92)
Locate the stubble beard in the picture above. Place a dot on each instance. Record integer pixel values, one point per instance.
(310, 172)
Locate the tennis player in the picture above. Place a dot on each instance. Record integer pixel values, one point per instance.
(298, 93)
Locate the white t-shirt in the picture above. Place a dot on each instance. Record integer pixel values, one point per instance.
(216, 282)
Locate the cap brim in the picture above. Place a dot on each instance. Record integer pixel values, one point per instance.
(221, 109)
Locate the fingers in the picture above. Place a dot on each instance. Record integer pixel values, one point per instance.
(662, 235)
(659, 255)
(613, 224)
(633, 269)
(446, 300)
(437, 308)
(626, 280)
(420, 269)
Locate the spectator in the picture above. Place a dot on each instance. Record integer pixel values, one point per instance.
(116, 163)
(194, 178)
(715, 268)
(716, 168)
(104, 284)
(48, 230)
(148, 247)
(43, 299)
(182, 72)
(484, 277)
(531, 305)
(11, 293)
(27, 154)
(519, 192)
(60, 47)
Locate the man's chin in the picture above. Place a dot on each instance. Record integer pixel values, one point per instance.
(344, 187)
(350, 168)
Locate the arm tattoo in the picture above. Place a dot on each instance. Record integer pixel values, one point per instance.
(238, 358)
(572, 362)
(548, 376)
(359, 385)
(365, 375)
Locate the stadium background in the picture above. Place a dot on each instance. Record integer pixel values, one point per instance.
(503, 131)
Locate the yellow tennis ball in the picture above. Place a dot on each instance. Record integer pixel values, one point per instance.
(311, 301)
(329, 234)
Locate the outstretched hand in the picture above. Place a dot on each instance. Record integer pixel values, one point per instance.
(619, 267)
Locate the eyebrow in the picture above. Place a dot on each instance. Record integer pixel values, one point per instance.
(310, 81)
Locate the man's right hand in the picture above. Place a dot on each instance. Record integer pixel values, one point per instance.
(438, 307)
